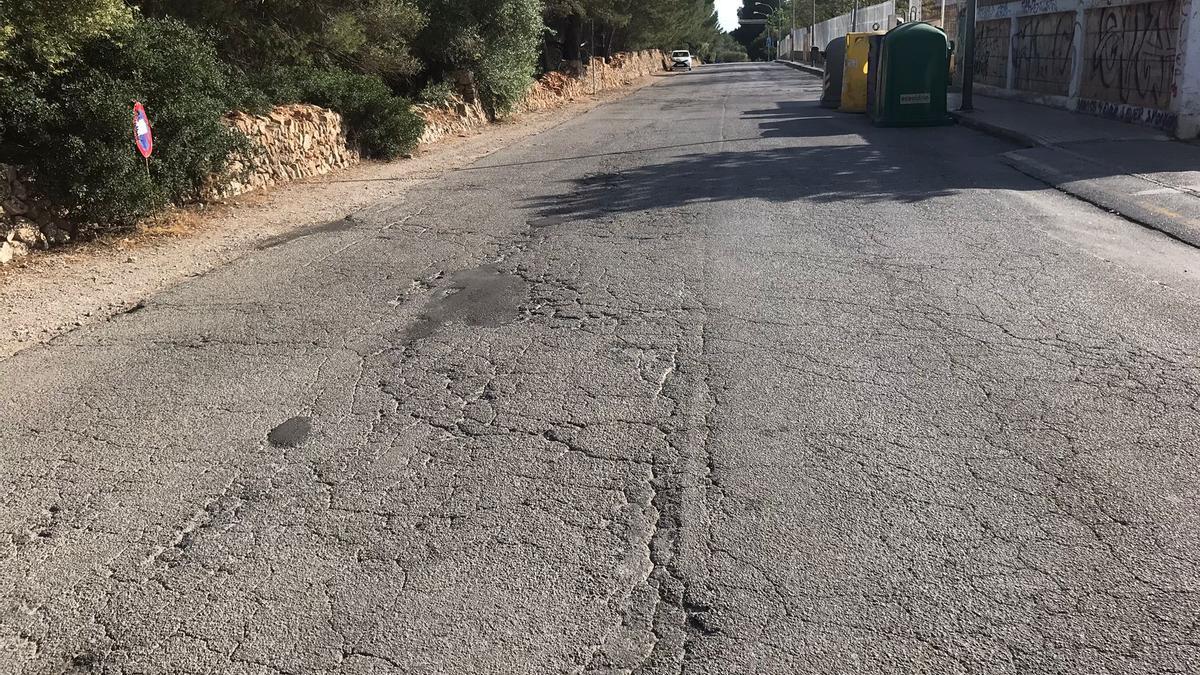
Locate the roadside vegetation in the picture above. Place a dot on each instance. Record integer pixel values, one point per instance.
(69, 70)
(752, 38)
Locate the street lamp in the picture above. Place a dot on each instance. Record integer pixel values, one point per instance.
(768, 27)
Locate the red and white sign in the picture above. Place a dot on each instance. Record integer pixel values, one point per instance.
(141, 131)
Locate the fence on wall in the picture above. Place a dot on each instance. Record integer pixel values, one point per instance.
(794, 46)
(799, 44)
(875, 17)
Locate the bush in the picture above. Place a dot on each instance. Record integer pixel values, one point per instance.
(512, 39)
(72, 130)
(437, 92)
(382, 124)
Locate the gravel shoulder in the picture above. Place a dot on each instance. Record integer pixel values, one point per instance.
(54, 293)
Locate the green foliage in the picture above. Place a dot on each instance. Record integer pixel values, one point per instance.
(496, 42)
(732, 56)
(72, 129)
(369, 37)
(512, 37)
(436, 92)
(634, 24)
(724, 50)
(382, 124)
(46, 33)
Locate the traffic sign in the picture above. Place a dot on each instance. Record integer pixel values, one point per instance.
(141, 131)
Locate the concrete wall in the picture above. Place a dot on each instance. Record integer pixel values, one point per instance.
(795, 46)
(1125, 59)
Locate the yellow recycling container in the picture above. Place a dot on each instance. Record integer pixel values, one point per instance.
(854, 72)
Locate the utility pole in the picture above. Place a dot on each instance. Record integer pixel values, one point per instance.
(968, 60)
(812, 33)
(792, 35)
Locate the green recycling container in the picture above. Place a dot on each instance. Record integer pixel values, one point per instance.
(910, 89)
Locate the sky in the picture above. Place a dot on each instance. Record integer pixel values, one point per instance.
(727, 10)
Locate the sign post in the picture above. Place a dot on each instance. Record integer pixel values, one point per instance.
(142, 135)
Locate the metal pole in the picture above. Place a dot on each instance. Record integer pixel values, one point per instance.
(792, 35)
(968, 60)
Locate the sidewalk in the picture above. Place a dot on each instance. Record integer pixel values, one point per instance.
(1135, 171)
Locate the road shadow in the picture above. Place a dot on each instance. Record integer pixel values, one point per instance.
(797, 119)
(846, 159)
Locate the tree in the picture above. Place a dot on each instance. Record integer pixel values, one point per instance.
(488, 45)
(368, 37)
(48, 32)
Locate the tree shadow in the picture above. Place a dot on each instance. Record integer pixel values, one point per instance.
(850, 161)
(797, 119)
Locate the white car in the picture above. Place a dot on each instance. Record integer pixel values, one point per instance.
(681, 58)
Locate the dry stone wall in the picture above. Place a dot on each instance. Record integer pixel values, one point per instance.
(555, 89)
(552, 90)
(455, 116)
(289, 143)
(24, 226)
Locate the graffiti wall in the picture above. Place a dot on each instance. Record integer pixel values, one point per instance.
(1132, 60)
(991, 52)
(1130, 53)
(1042, 53)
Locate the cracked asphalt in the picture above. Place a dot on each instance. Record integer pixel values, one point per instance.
(707, 380)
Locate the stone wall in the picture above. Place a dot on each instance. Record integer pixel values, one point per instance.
(24, 226)
(289, 143)
(552, 90)
(455, 116)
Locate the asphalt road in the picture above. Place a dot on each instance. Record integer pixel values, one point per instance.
(708, 380)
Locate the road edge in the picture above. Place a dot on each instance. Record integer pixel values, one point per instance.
(1089, 191)
(811, 70)
(50, 295)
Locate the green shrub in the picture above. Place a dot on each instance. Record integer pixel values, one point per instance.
(495, 41)
(437, 92)
(48, 32)
(381, 124)
(72, 130)
(513, 39)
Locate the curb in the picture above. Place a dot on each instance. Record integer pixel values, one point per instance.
(802, 67)
(971, 122)
(1081, 188)
(1091, 191)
